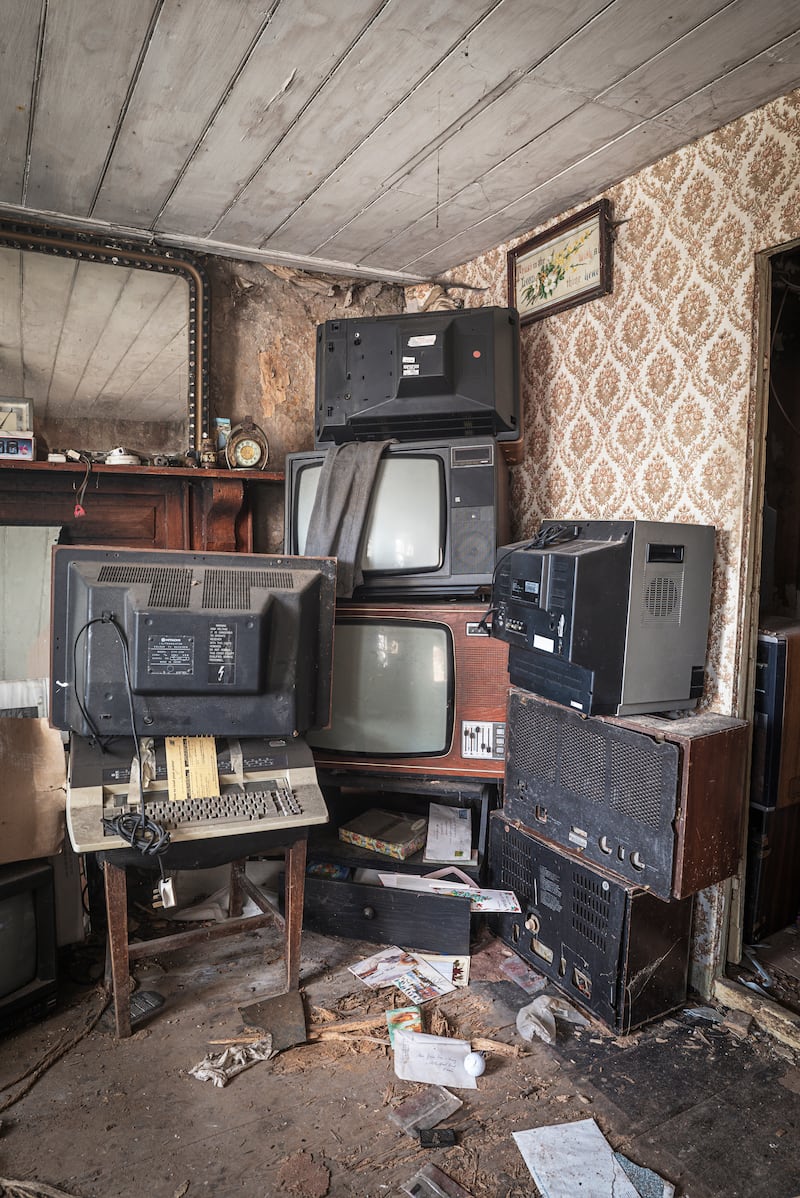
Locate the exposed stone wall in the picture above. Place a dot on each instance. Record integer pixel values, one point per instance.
(263, 343)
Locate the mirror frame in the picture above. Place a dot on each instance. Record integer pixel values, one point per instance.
(73, 243)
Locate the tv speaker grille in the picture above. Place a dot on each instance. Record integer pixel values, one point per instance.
(473, 540)
(662, 598)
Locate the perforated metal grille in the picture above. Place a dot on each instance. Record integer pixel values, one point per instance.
(583, 762)
(230, 589)
(637, 780)
(170, 586)
(473, 540)
(535, 734)
(591, 908)
(516, 865)
(663, 597)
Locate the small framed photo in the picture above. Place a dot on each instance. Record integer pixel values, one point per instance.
(565, 266)
(16, 415)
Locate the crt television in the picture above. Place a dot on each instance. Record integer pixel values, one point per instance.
(28, 953)
(609, 617)
(438, 512)
(419, 374)
(418, 690)
(166, 642)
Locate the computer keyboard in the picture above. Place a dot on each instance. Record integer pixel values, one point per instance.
(262, 808)
(279, 789)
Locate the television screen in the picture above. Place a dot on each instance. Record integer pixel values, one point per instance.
(405, 524)
(28, 953)
(17, 942)
(170, 643)
(395, 696)
(437, 514)
(417, 689)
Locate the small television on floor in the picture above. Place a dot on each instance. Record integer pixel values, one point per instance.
(448, 373)
(438, 512)
(28, 954)
(418, 690)
(162, 642)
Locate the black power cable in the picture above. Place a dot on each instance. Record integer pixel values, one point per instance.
(139, 831)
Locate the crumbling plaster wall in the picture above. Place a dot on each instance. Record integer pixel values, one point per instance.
(263, 343)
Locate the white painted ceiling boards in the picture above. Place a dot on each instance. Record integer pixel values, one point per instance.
(392, 138)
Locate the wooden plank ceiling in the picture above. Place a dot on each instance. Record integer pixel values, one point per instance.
(388, 138)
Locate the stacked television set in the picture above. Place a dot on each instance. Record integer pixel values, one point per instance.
(419, 685)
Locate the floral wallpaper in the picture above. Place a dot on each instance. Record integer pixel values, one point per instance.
(639, 404)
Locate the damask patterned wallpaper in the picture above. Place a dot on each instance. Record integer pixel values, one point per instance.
(639, 404)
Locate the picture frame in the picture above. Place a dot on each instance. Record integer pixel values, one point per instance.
(564, 266)
(16, 415)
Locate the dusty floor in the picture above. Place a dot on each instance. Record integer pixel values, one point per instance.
(716, 1114)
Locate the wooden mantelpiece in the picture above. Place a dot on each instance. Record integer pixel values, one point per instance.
(138, 506)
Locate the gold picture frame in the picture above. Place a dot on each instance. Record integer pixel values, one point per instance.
(567, 265)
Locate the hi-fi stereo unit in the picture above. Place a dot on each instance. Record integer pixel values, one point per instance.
(657, 801)
(616, 950)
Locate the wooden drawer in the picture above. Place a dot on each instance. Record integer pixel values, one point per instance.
(382, 915)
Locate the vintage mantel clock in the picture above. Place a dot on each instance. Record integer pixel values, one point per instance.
(247, 447)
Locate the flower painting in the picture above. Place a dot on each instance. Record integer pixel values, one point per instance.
(562, 267)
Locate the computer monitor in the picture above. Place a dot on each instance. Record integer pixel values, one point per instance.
(418, 690)
(167, 642)
(609, 617)
(438, 512)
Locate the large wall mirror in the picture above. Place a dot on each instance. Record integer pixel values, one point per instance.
(108, 339)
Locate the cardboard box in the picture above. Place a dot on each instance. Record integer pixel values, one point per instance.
(33, 793)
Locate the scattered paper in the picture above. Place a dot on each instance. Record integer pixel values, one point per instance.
(405, 1019)
(454, 968)
(393, 966)
(573, 1158)
(220, 1067)
(480, 899)
(449, 834)
(438, 1060)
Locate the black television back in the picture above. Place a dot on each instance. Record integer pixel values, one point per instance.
(190, 644)
(439, 511)
(419, 375)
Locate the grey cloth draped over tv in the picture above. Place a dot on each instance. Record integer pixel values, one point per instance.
(336, 524)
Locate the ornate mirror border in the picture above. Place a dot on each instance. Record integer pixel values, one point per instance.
(70, 243)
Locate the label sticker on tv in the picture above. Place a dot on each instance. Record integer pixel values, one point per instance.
(221, 653)
(544, 643)
(422, 339)
(170, 655)
(483, 739)
(410, 368)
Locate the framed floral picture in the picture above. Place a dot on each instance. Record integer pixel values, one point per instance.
(564, 266)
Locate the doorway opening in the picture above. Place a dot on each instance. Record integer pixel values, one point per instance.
(770, 930)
